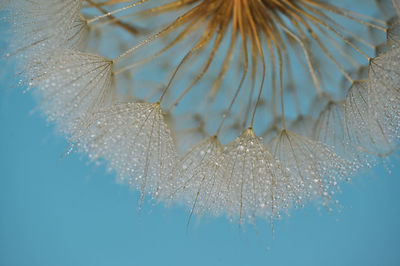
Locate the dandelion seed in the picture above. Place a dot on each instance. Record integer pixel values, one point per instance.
(256, 182)
(384, 96)
(315, 170)
(393, 35)
(73, 85)
(134, 140)
(41, 27)
(362, 128)
(198, 173)
(328, 127)
(396, 5)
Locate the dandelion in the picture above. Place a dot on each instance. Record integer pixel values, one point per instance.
(241, 108)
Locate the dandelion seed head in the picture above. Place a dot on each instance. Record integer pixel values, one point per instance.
(296, 95)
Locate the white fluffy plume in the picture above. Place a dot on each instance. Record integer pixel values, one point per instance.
(135, 141)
